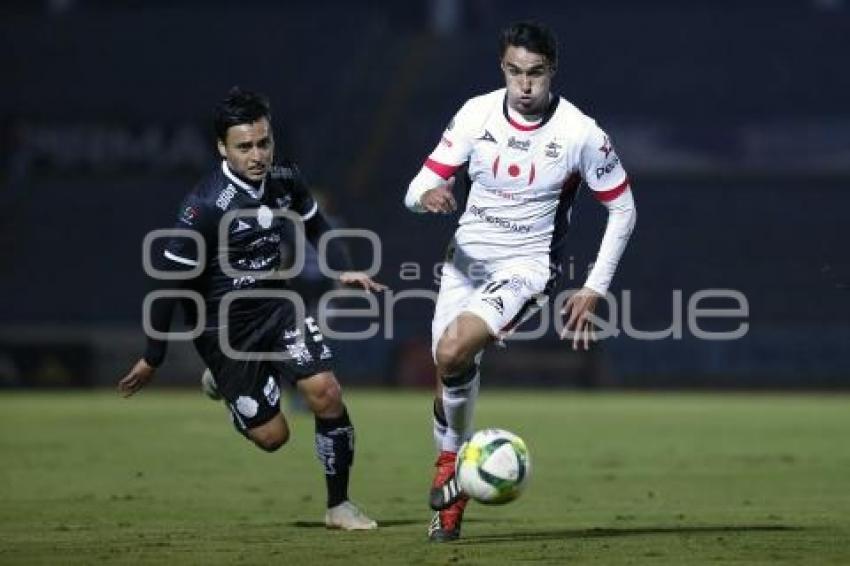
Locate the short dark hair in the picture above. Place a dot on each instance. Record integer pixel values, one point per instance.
(240, 107)
(534, 36)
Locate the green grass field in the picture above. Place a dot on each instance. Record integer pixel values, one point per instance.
(90, 478)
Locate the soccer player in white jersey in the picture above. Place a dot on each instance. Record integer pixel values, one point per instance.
(528, 151)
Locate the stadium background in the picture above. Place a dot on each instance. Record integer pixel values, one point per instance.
(731, 119)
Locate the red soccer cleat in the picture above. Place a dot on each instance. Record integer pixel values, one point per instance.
(444, 489)
(447, 499)
(445, 526)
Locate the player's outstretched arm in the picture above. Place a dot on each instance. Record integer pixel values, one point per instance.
(139, 376)
(580, 307)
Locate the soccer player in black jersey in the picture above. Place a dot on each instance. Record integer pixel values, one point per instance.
(241, 212)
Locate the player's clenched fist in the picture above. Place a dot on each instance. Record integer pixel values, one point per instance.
(440, 199)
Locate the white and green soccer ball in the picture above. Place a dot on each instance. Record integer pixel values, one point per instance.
(493, 466)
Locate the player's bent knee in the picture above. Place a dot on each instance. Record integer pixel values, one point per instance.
(324, 396)
(270, 442)
(271, 436)
(452, 357)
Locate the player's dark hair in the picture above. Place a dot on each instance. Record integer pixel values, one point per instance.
(240, 107)
(534, 36)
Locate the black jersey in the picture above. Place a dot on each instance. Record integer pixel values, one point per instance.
(243, 232)
(242, 228)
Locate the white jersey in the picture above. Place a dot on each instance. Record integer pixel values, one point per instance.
(524, 177)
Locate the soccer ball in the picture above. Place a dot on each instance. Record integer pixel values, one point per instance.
(493, 466)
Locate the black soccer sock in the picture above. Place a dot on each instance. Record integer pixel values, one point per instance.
(335, 449)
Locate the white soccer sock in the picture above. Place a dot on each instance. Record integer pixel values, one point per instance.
(459, 406)
(439, 427)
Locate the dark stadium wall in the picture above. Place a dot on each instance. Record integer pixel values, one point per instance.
(735, 139)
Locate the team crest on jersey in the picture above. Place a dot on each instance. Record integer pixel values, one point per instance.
(553, 149)
(265, 216)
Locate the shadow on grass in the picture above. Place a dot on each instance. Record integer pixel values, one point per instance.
(385, 523)
(638, 531)
(390, 522)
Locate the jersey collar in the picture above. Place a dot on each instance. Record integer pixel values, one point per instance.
(256, 193)
(550, 111)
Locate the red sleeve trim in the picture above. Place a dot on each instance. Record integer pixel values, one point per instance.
(611, 194)
(441, 169)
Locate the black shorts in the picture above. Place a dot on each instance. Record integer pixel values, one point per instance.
(251, 388)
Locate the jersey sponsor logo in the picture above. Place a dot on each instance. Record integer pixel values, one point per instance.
(291, 334)
(240, 226)
(247, 406)
(522, 145)
(607, 168)
(243, 282)
(255, 263)
(224, 198)
(553, 149)
(506, 195)
(499, 221)
(271, 391)
(487, 137)
(273, 238)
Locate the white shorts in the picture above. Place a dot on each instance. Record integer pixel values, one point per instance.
(503, 298)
